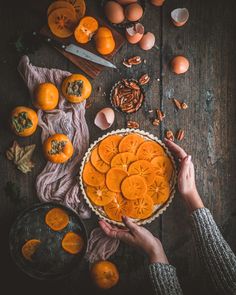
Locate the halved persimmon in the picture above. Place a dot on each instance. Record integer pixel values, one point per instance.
(57, 219)
(60, 4)
(80, 7)
(62, 22)
(118, 207)
(163, 166)
(149, 150)
(142, 208)
(114, 177)
(159, 190)
(72, 243)
(98, 163)
(87, 27)
(100, 195)
(29, 248)
(123, 160)
(133, 187)
(91, 176)
(144, 169)
(108, 147)
(130, 143)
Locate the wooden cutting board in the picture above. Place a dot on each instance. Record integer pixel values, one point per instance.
(90, 68)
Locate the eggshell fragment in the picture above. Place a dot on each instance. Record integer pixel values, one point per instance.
(179, 65)
(179, 16)
(148, 41)
(126, 2)
(134, 33)
(133, 12)
(157, 2)
(104, 118)
(114, 12)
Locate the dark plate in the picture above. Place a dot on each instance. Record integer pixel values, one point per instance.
(50, 261)
(127, 23)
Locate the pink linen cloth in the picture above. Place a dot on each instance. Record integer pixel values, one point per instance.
(59, 183)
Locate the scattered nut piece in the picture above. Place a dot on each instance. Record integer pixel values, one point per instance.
(170, 135)
(156, 122)
(99, 89)
(136, 60)
(160, 115)
(184, 106)
(88, 104)
(126, 64)
(144, 79)
(177, 103)
(132, 124)
(150, 111)
(180, 135)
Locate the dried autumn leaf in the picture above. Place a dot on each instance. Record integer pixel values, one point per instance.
(21, 156)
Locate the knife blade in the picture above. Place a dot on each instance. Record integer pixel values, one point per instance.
(76, 50)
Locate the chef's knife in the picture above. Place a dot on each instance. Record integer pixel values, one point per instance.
(76, 50)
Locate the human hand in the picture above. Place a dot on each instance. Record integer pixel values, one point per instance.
(137, 236)
(186, 177)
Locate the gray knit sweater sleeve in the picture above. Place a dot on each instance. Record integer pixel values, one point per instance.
(218, 259)
(164, 279)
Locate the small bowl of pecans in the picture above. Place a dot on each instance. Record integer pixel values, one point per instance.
(127, 96)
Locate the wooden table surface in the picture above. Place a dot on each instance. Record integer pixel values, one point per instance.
(209, 88)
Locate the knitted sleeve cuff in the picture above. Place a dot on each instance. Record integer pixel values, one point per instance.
(164, 279)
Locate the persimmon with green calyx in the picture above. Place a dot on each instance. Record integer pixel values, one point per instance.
(58, 148)
(24, 121)
(76, 88)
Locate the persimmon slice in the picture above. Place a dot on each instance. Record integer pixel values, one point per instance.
(57, 219)
(163, 166)
(114, 177)
(62, 22)
(144, 169)
(29, 248)
(80, 7)
(108, 147)
(130, 143)
(159, 191)
(91, 176)
(60, 4)
(134, 187)
(148, 150)
(118, 207)
(72, 243)
(122, 160)
(87, 27)
(98, 163)
(100, 195)
(142, 208)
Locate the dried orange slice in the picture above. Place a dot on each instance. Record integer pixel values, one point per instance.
(134, 187)
(142, 208)
(98, 163)
(114, 177)
(130, 143)
(108, 147)
(57, 219)
(91, 176)
(148, 150)
(60, 4)
(100, 195)
(144, 169)
(62, 22)
(122, 160)
(79, 6)
(29, 248)
(72, 243)
(118, 207)
(163, 166)
(159, 191)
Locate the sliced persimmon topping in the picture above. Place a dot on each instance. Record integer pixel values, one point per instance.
(149, 150)
(130, 143)
(118, 207)
(159, 190)
(91, 176)
(100, 195)
(134, 187)
(108, 147)
(142, 208)
(144, 169)
(114, 177)
(98, 163)
(123, 160)
(29, 248)
(163, 166)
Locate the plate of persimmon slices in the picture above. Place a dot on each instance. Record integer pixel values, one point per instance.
(128, 172)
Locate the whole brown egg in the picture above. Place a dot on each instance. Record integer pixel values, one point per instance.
(114, 12)
(179, 64)
(133, 12)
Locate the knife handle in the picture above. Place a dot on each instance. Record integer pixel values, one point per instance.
(49, 40)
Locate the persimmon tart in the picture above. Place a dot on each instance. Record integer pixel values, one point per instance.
(128, 172)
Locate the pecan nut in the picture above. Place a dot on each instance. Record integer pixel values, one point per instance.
(144, 79)
(180, 135)
(160, 115)
(135, 60)
(177, 103)
(156, 122)
(132, 124)
(184, 106)
(170, 135)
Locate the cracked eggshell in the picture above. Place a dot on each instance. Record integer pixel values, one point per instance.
(179, 16)
(104, 118)
(134, 33)
(148, 41)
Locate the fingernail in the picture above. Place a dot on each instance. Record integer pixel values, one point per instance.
(189, 158)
